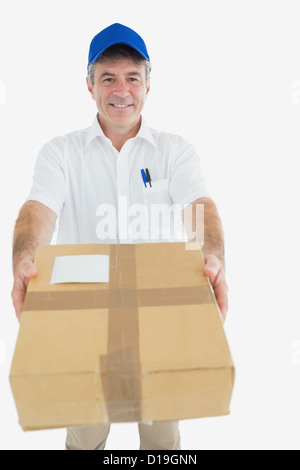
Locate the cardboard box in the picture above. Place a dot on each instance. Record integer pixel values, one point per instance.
(148, 345)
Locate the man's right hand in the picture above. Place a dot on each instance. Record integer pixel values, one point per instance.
(25, 270)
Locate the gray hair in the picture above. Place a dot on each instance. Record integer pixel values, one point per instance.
(119, 52)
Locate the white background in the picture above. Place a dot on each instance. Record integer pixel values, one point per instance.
(226, 76)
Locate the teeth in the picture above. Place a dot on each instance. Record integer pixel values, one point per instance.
(121, 105)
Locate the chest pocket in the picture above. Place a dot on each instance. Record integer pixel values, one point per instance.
(158, 193)
(156, 200)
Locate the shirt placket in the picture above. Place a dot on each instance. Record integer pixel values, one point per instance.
(123, 193)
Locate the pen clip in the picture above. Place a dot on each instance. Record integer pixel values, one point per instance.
(148, 177)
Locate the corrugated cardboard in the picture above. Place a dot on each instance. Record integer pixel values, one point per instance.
(147, 346)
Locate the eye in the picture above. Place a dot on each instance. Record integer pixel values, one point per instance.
(132, 79)
(108, 80)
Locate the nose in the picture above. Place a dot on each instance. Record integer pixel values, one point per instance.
(122, 89)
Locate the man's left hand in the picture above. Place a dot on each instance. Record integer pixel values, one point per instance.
(214, 269)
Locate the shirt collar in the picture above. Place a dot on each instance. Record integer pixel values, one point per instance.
(96, 131)
(145, 132)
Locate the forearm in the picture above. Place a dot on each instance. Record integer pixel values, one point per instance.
(203, 225)
(34, 226)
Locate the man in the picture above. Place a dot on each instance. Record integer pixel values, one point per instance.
(83, 175)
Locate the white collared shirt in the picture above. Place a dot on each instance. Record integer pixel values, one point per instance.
(99, 194)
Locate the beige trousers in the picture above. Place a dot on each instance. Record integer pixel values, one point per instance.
(161, 435)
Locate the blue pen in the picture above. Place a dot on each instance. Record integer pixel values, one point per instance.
(144, 178)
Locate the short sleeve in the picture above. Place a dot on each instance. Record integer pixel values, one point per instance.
(186, 181)
(49, 184)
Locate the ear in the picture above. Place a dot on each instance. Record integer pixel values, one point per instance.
(90, 88)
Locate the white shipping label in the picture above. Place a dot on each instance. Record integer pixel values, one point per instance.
(80, 268)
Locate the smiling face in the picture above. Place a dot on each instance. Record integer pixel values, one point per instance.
(120, 92)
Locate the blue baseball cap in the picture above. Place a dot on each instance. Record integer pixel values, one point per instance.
(116, 34)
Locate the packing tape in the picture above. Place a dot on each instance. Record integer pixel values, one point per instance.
(110, 298)
(120, 367)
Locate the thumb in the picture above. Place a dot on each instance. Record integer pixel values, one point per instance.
(213, 269)
(32, 271)
(29, 269)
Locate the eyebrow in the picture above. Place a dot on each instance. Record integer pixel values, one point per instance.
(107, 74)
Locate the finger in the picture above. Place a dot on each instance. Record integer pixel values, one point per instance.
(222, 298)
(18, 301)
(24, 272)
(217, 277)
